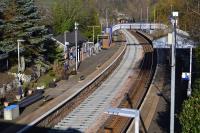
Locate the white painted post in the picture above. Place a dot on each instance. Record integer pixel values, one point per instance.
(189, 91)
(18, 42)
(93, 35)
(147, 15)
(18, 53)
(137, 121)
(76, 29)
(106, 18)
(125, 112)
(173, 68)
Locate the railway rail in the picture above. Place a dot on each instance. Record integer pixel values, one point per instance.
(67, 101)
(137, 92)
(89, 110)
(52, 117)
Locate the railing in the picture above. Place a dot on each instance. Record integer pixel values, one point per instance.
(139, 26)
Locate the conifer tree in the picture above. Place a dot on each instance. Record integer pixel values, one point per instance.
(1, 23)
(22, 21)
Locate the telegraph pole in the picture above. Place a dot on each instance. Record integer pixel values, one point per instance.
(93, 35)
(154, 17)
(147, 14)
(106, 18)
(171, 7)
(148, 19)
(141, 15)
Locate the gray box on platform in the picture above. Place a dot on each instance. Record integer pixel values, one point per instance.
(11, 112)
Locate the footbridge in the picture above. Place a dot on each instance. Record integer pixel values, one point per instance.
(183, 38)
(140, 26)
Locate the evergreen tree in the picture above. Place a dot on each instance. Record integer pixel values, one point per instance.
(1, 23)
(22, 21)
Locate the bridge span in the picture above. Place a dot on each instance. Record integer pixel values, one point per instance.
(139, 26)
(183, 38)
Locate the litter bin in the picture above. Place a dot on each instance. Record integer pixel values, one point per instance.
(11, 112)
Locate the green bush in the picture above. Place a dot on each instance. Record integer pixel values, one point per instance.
(190, 115)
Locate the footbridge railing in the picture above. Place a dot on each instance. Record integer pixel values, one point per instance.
(139, 26)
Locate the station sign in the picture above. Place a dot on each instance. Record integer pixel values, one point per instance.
(185, 76)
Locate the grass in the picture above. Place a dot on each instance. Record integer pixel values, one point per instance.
(46, 79)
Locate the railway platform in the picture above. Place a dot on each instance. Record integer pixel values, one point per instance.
(89, 68)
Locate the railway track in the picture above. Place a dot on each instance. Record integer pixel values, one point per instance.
(60, 115)
(50, 114)
(88, 112)
(81, 118)
(136, 94)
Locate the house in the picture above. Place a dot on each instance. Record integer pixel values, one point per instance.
(3, 61)
(70, 37)
(83, 47)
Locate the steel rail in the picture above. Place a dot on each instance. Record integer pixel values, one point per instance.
(40, 120)
(114, 121)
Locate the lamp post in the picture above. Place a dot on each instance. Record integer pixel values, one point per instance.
(20, 91)
(76, 29)
(189, 91)
(147, 15)
(66, 57)
(66, 47)
(173, 67)
(18, 53)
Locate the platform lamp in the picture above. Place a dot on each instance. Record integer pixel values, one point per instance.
(76, 43)
(189, 91)
(66, 47)
(18, 53)
(173, 67)
(20, 91)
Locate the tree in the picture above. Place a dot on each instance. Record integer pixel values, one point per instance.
(65, 13)
(1, 22)
(188, 10)
(193, 14)
(189, 20)
(21, 20)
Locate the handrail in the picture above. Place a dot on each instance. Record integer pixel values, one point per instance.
(138, 26)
